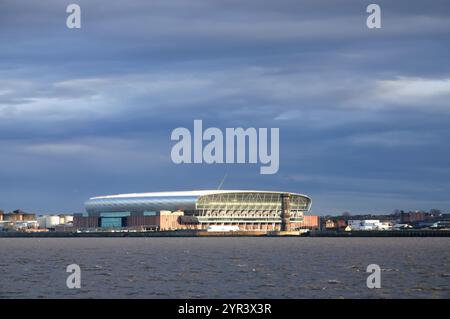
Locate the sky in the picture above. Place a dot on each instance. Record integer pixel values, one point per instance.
(363, 113)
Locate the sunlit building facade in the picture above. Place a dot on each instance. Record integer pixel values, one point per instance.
(247, 209)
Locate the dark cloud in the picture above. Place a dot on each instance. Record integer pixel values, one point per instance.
(363, 114)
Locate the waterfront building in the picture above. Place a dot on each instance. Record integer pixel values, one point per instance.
(335, 224)
(247, 209)
(368, 224)
(19, 215)
(411, 217)
(54, 220)
(310, 222)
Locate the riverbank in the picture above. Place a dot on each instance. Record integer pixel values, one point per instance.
(382, 233)
(196, 233)
(178, 233)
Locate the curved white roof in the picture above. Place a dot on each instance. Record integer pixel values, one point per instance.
(188, 193)
(156, 201)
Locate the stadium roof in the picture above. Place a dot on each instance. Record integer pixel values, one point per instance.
(188, 193)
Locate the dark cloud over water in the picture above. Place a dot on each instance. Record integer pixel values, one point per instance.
(363, 114)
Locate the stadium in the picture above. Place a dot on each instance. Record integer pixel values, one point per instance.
(246, 209)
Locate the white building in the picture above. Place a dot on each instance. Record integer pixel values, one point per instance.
(368, 224)
(225, 228)
(48, 221)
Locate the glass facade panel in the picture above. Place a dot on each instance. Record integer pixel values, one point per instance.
(115, 214)
(250, 202)
(109, 222)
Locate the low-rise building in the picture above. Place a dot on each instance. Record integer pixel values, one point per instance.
(442, 224)
(17, 225)
(310, 222)
(151, 220)
(19, 215)
(368, 224)
(335, 224)
(54, 220)
(411, 217)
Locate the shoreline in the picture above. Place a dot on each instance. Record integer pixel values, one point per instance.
(385, 233)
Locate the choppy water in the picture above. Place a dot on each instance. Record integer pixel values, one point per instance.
(225, 267)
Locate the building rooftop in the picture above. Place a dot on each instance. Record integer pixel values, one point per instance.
(188, 193)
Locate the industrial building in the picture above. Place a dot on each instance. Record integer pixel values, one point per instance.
(18, 215)
(52, 221)
(368, 224)
(19, 220)
(247, 209)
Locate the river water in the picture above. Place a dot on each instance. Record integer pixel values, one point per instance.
(225, 267)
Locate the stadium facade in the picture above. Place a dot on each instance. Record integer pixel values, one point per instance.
(247, 209)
